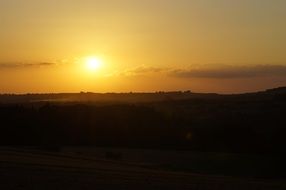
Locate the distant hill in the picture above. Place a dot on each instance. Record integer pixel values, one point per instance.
(101, 97)
(251, 123)
(128, 97)
(279, 90)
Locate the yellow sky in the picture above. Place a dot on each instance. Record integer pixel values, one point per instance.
(151, 45)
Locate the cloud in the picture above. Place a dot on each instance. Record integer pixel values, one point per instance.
(144, 69)
(140, 70)
(227, 72)
(209, 71)
(23, 65)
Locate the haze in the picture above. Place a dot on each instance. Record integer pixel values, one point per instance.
(152, 45)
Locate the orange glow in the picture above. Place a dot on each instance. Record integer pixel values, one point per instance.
(63, 46)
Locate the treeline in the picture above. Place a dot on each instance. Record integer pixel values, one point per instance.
(207, 124)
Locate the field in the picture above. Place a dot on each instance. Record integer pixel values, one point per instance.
(83, 168)
(172, 140)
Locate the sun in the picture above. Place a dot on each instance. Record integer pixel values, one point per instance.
(93, 63)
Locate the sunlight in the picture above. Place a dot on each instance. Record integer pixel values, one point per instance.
(93, 63)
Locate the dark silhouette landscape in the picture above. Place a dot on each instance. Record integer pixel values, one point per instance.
(239, 136)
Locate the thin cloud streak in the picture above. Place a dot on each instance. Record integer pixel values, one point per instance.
(24, 65)
(143, 70)
(140, 70)
(228, 72)
(216, 72)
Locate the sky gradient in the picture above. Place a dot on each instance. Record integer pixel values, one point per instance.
(223, 46)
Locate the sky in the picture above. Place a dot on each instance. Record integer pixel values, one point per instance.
(223, 46)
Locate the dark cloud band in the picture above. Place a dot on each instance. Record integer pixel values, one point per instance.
(23, 65)
(231, 72)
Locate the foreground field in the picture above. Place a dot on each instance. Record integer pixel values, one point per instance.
(34, 169)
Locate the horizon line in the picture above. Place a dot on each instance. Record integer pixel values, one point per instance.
(140, 92)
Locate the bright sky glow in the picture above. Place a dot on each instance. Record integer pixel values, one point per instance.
(93, 63)
(224, 46)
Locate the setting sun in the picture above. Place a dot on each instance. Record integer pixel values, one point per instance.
(142, 94)
(93, 63)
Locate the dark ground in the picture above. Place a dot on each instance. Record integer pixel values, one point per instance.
(22, 168)
(174, 140)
